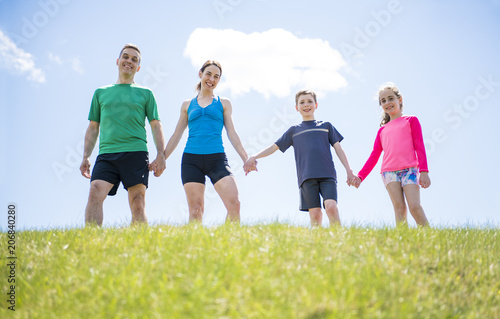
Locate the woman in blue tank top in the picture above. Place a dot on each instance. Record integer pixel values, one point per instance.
(206, 115)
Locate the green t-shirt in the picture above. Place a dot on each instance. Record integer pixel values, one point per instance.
(121, 110)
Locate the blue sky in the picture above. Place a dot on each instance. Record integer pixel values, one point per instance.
(442, 54)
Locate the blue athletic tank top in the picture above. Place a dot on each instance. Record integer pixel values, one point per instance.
(205, 127)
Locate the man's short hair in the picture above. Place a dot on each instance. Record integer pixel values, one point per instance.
(131, 46)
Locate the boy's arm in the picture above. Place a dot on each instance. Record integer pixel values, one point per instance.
(251, 163)
(343, 159)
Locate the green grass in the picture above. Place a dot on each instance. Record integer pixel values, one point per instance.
(267, 271)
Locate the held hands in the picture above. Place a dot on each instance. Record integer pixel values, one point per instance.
(250, 165)
(353, 180)
(158, 165)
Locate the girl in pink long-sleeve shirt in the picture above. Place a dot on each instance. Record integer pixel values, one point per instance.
(400, 137)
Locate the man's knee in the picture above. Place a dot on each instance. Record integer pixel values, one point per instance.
(98, 192)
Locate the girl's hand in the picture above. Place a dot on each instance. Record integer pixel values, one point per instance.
(424, 180)
(354, 181)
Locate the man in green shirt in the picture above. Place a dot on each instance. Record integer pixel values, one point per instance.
(118, 112)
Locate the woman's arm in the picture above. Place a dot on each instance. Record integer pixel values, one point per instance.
(179, 130)
(231, 132)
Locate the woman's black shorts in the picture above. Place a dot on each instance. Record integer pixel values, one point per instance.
(195, 167)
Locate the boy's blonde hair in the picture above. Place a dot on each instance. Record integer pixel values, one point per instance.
(304, 92)
(388, 86)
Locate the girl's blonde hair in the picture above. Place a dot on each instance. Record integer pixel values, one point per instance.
(388, 86)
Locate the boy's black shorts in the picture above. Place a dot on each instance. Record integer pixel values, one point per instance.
(311, 189)
(194, 167)
(130, 168)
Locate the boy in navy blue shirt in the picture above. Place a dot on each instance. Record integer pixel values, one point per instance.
(316, 174)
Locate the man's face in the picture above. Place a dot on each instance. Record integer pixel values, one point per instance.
(128, 63)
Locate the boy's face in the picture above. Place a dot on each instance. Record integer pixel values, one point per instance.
(128, 62)
(306, 106)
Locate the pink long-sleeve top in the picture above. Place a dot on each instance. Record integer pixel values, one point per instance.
(403, 145)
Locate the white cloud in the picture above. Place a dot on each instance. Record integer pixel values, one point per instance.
(17, 60)
(55, 58)
(272, 62)
(76, 65)
(76, 62)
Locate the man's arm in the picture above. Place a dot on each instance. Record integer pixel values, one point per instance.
(90, 141)
(158, 165)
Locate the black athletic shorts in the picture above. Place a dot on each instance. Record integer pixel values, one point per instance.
(311, 189)
(194, 167)
(130, 168)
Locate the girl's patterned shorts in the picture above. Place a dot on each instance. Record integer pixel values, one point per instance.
(405, 177)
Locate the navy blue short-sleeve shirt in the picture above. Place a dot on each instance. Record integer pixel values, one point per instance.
(311, 142)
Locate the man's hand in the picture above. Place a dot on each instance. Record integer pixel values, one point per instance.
(85, 168)
(158, 165)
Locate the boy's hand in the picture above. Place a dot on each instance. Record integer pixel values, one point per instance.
(424, 180)
(350, 177)
(354, 181)
(250, 165)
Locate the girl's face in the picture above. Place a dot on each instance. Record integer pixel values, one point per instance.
(210, 77)
(390, 102)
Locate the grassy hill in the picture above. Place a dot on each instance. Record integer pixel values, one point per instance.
(267, 271)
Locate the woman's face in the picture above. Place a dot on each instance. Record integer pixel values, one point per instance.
(210, 77)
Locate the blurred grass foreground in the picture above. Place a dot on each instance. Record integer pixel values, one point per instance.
(264, 271)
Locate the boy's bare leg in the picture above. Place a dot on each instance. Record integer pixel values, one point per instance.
(316, 216)
(332, 212)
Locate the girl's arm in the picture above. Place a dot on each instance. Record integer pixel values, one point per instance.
(231, 132)
(373, 159)
(418, 144)
(179, 130)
